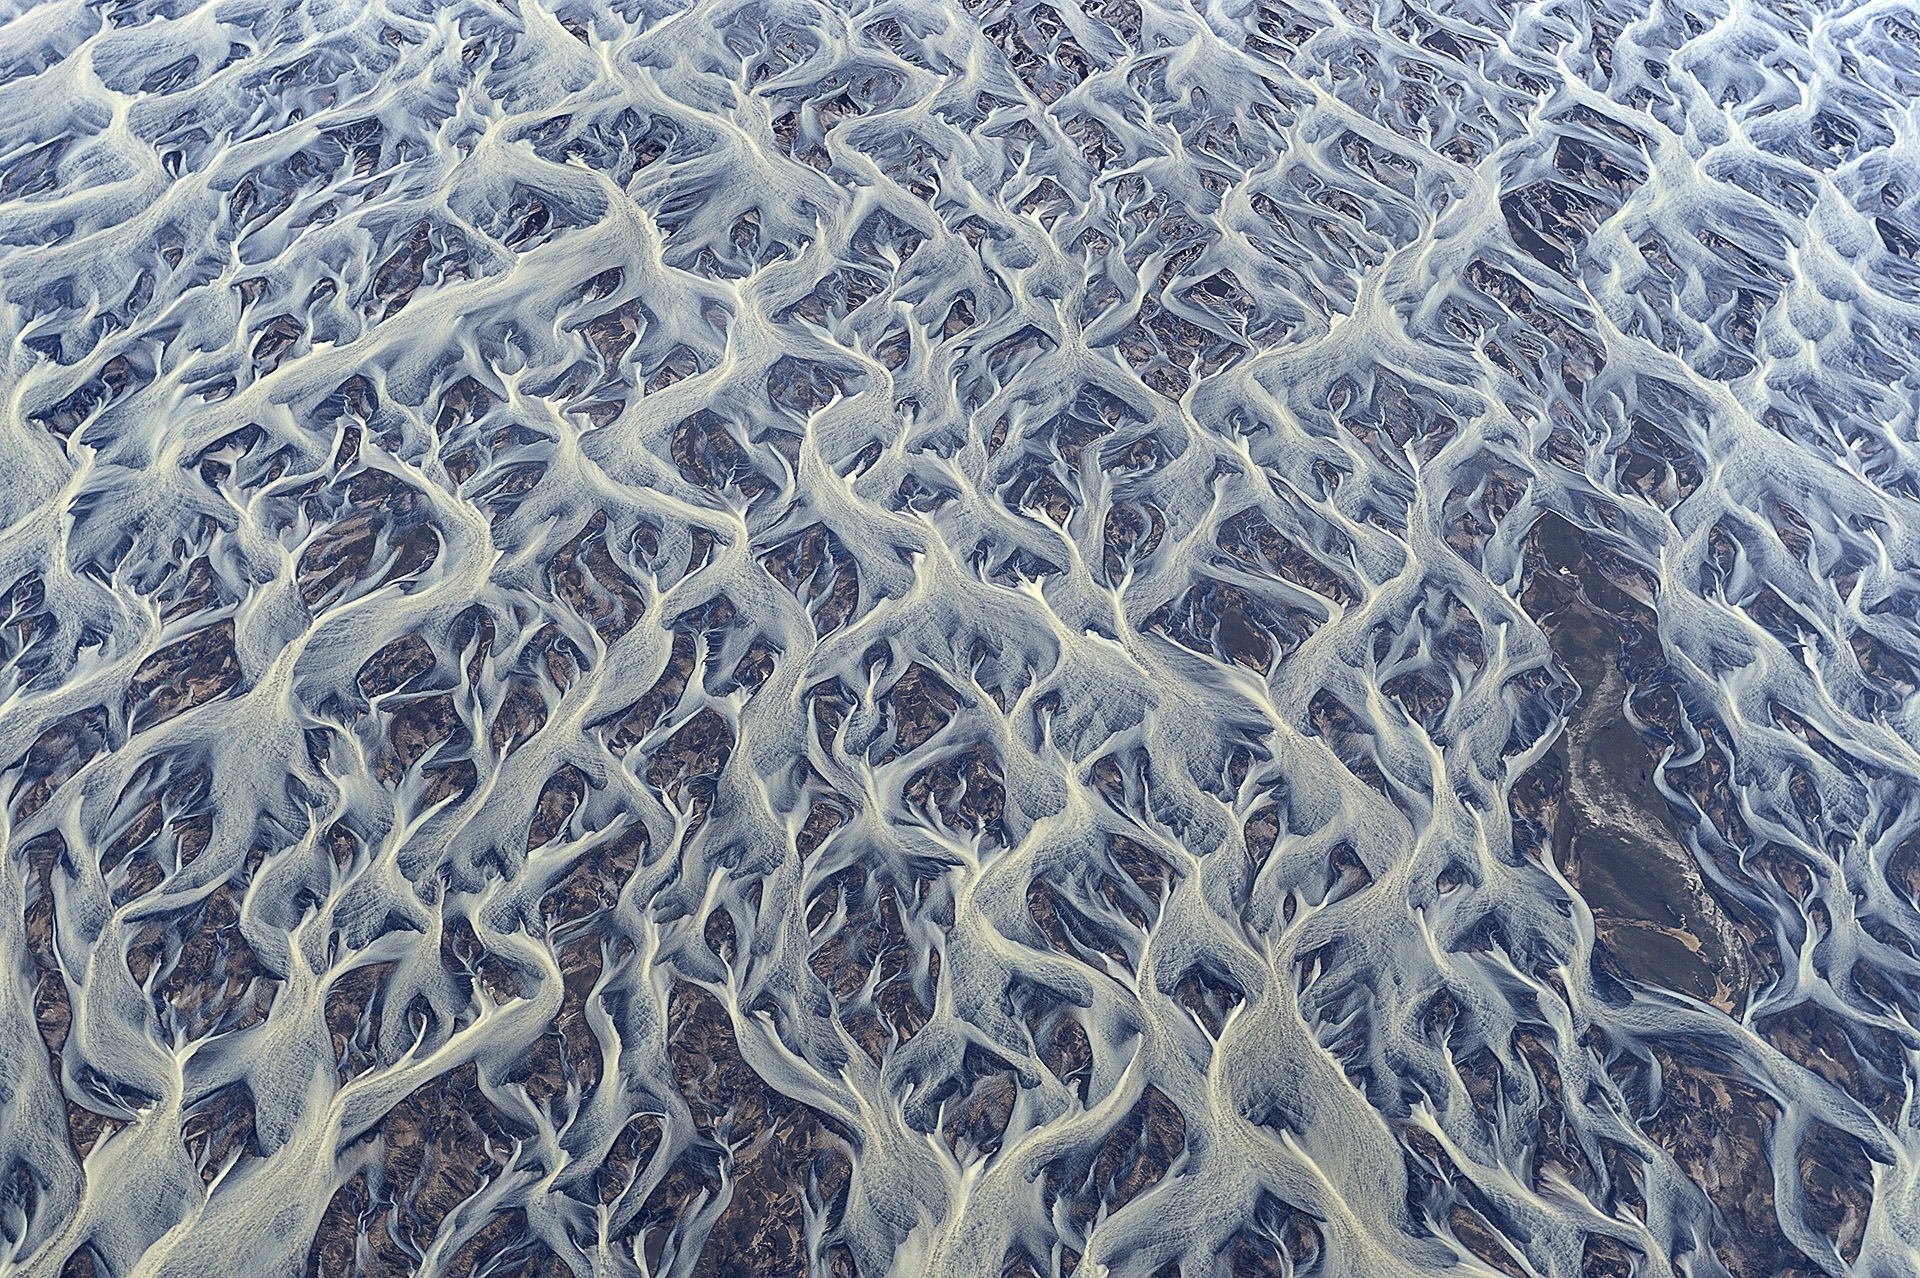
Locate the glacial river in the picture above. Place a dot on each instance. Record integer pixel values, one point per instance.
(1132, 638)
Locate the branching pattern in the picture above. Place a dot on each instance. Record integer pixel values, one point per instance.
(1261, 637)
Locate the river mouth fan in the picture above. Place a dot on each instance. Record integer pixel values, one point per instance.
(1025, 639)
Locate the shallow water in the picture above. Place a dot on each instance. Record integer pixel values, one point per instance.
(1131, 639)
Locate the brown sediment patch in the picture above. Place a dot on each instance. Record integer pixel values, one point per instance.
(636, 721)
(383, 521)
(187, 673)
(1277, 1240)
(438, 1148)
(1605, 1257)
(966, 792)
(568, 1054)
(418, 727)
(395, 666)
(692, 758)
(1133, 1157)
(1719, 1129)
(221, 1128)
(1610, 826)
(1836, 1178)
(560, 797)
(785, 1162)
(584, 575)
(1862, 1060)
(216, 983)
(983, 1099)
(56, 754)
(867, 961)
(919, 705)
(816, 568)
